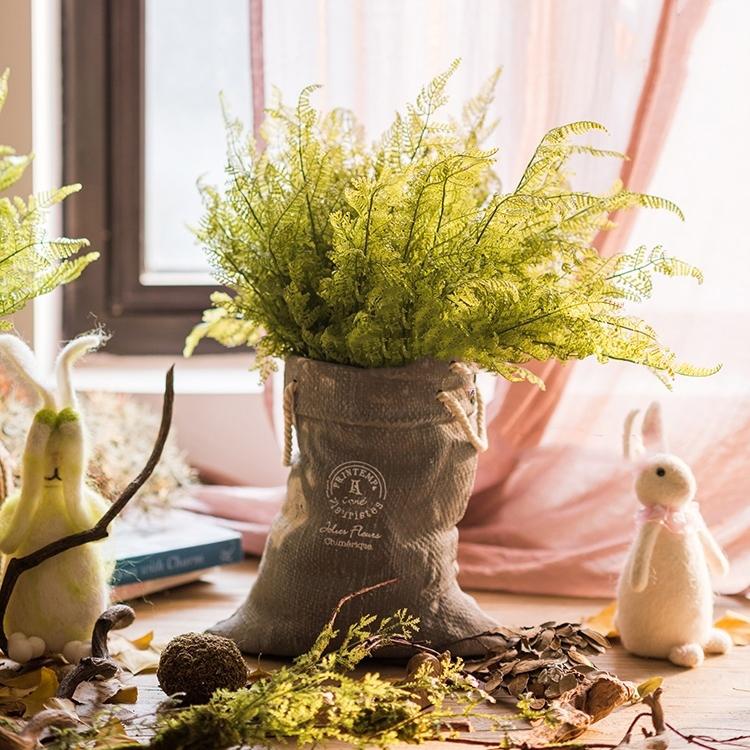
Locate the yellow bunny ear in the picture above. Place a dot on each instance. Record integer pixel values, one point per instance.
(73, 468)
(70, 354)
(7, 483)
(22, 362)
(19, 516)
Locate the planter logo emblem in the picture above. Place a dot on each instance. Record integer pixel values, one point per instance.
(355, 491)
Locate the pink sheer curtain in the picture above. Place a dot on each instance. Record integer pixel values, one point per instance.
(517, 421)
(553, 506)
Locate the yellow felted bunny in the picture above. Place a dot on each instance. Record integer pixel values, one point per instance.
(54, 605)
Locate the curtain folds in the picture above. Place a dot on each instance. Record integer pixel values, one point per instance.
(553, 510)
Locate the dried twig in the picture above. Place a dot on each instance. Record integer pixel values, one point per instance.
(19, 565)
(99, 664)
(354, 595)
(653, 701)
(28, 737)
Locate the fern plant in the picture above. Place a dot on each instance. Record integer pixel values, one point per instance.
(380, 255)
(31, 264)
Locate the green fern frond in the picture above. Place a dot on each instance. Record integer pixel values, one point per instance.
(379, 256)
(30, 263)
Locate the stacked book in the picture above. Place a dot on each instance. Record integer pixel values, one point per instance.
(153, 554)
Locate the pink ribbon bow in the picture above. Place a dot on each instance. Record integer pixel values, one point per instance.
(677, 520)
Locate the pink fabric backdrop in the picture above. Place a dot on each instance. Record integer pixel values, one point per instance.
(505, 542)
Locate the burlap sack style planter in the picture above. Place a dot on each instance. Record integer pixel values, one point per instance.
(386, 463)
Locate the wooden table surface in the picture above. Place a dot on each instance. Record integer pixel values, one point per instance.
(713, 699)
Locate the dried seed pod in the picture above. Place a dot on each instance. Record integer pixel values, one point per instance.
(198, 664)
(418, 660)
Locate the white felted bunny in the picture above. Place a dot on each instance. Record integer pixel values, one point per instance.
(53, 606)
(665, 596)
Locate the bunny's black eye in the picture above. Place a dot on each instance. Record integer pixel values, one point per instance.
(660, 472)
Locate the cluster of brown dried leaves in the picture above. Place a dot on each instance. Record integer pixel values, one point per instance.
(545, 660)
(29, 701)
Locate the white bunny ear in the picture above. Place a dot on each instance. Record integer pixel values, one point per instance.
(653, 429)
(70, 354)
(22, 361)
(632, 444)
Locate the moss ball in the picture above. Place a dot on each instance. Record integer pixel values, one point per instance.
(197, 664)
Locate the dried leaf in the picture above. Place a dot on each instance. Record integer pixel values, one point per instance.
(518, 684)
(140, 655)
(64, 705)
(604, 621)
(25, 693)
(568, 682)
(144, 641)
(28, 736)
(24, 681)
(481, 666)
(46, 689)
(126, 694)
(494, 682)
(595, 638)
(737, 625)
(529, 665)
(95, 693)
(578, 658)
(648, 686)
(544, 639)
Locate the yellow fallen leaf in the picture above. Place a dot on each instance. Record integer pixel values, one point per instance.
(651, 685)
(144, 641)
(737, 625)
(604, 621)
(140, 655)
(13, 689)
(46, 689)
(126, 694)
(26, 681)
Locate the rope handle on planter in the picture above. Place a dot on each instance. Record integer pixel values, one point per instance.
(478, 437)
(289, 392)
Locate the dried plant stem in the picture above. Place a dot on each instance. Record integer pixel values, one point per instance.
(653, 701)
(19, 565)
(99, 664)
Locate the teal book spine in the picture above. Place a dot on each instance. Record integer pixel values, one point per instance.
(174, 562)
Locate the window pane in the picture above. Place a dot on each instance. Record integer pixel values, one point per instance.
(193, 50)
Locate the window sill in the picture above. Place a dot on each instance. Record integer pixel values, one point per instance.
(220, 415)
(208, 374)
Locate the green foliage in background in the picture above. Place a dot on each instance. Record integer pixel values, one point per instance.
(30, 263)
(380, 255)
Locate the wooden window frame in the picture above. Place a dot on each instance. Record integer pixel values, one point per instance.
(103, 140)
